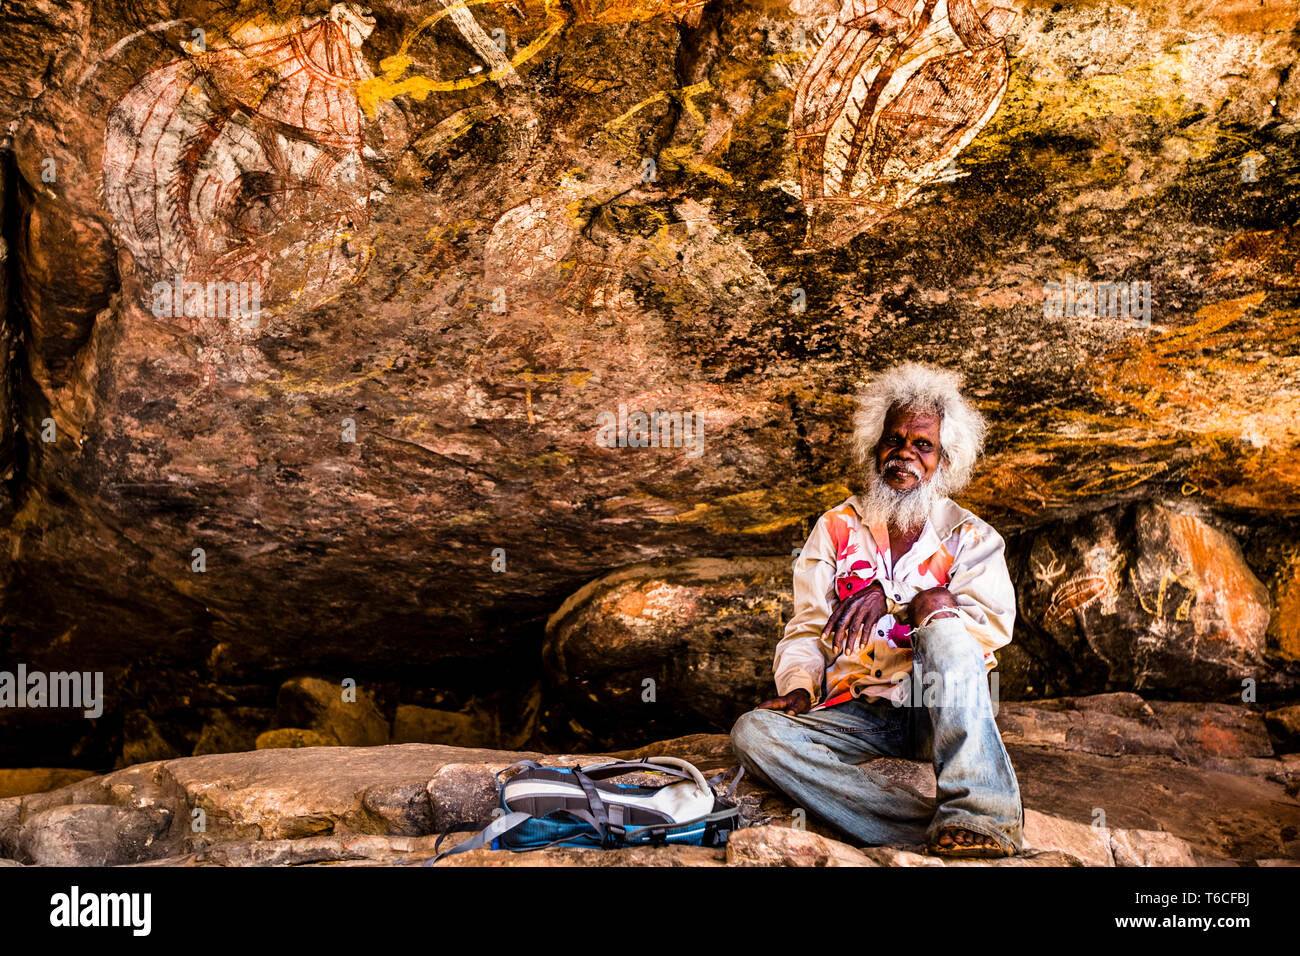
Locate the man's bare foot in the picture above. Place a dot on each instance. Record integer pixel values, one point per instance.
(958, 841)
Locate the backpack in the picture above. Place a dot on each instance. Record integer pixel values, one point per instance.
(576, 806)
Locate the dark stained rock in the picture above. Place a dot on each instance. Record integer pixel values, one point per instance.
(230, 730)
(1284, 726)
(463, 794)
(91, 835)
(401, 809)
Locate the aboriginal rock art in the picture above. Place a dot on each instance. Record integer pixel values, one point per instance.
(895, 92)
(1099, 581)
(243, 165)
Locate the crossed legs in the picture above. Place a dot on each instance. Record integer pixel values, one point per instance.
(813, 757)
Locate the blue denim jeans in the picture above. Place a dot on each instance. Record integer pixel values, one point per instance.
(813, 758)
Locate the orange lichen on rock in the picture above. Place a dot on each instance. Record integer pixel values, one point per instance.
(1222, 384)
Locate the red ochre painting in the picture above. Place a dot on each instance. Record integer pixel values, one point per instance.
(234, 164)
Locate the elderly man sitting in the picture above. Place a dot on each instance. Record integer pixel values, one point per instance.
(900, 598)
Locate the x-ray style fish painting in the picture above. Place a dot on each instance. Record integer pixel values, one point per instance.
(896, 91)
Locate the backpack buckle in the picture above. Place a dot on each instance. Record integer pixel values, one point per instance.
(612, 831)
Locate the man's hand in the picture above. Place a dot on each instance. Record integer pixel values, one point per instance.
(794, 703)
(854, 617)
(937, 601)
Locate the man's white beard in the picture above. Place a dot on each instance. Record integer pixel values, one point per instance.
(902, 510)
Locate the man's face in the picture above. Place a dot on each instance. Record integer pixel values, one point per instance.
(908, 451)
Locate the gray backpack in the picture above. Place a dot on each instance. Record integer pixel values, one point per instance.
(577, 806)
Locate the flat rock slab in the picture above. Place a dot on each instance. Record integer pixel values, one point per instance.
(1198, 792)
(1224, 815)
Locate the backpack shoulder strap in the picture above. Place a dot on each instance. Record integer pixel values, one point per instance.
(500, 825)
(718, 778)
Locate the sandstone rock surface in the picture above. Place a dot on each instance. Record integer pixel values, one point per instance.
(469, 259)
(1085, 806)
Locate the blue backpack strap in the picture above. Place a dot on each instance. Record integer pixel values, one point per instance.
(569, 839)
(485, 836)
(663, 829)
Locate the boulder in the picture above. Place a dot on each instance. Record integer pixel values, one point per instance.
(314, 791)
(1149, 848)
(1149, 597)
(1284, 727)
(668, 647)
(462, 794)
(402, 809)
(39, 779)
(143, 741)
(1214, 731)
(340, 713)
(230, 730)
(1111, 724)
(786, 846)
(426, 725)
(290, 737)
(1090, 845)
(1224, 735)
(91, 835)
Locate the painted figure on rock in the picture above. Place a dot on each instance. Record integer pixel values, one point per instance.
(895, 92)
(243, 165)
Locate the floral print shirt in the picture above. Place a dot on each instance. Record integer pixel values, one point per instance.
(956, 550)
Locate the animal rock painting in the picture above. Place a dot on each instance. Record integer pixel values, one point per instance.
(897, 90)
(234, 167)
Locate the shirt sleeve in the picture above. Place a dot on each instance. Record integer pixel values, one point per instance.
(800, 659)
(981, 585)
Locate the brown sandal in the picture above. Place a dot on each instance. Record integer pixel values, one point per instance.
(984, 847)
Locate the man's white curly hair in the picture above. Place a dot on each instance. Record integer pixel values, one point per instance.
(926, 388)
